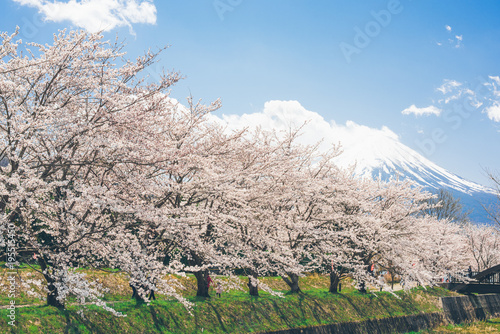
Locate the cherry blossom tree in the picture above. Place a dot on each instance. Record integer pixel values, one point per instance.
(275, 190)
(385, 228)
(223, 201)
(81, 137)
(483, 245)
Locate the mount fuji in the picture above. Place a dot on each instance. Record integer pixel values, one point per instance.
(376, 153)
(384, 156)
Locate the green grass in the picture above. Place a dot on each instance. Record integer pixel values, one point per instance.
(488, 326)
(235, 312)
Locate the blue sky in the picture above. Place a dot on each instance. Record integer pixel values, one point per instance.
(435, 60)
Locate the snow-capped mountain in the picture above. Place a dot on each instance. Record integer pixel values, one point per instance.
(376, 152)
(385, 157)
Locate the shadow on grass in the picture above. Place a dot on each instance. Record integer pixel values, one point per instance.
(309, 305)
(158, 321)
(280, 313)
(353, 305)
(219, 318)
(72, 324)
(317, 309)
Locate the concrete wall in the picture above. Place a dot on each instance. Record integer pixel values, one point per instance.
(471, 308)
(455, 310)
(403, 324)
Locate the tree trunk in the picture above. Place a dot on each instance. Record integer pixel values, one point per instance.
(293, 282)
(52, 295)
(253, 289)
(362, 287)
(201, 279)
(334, 282)
(201, 276)
(136, 295)
(138, 298)
(134, 291)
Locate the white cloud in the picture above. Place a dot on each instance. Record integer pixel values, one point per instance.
(495, 79)
(493, 112)
(462, 98)
(492, 85)
(362, 146)
(455, 42)
(483, 97)
(284, 115)
(448, 86)
(492, 98)
(96, 15)
(454, 90)
(281, 116)
(413, 109)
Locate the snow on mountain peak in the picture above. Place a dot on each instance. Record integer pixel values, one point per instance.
(381, 154)
(375, 152)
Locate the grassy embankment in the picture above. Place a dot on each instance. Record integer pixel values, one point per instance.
(235, 312)
(483, 327)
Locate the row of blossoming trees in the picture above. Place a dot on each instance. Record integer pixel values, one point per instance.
(100, 168)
